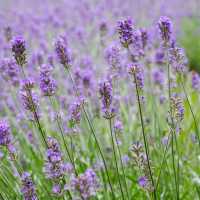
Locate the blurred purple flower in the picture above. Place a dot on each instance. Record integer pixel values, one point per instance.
(195, 81)
(19, 50)
(47, 83)
(165, 28)
(125, 31)
(143, 181)
(54, 167)
(28, 188)
(86, 183)
(63, 52)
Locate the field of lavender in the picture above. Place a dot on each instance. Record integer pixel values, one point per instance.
(99, 100)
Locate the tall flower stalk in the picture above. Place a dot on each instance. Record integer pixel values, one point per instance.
(64, 57)
(165, 28)
(105, 91)
(19, 53)
(135, 71)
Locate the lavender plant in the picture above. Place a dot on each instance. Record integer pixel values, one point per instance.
(97, 102)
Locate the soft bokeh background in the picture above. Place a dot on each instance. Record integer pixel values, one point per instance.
(84, 17)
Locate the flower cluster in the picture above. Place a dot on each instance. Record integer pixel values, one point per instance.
(125, 31)
(140, 161)
(62, 51)
(30, 100)
(195, 81)
(28, 187)
(105, 91)
(75, 112)
(47, 83)
(158, 77)
(112, 55)
(144, 37)
(136, 71)
(177, 108)
(177, 58)
(6, 137)
(165, 28)
(86, 184)
(19, 50)
(10, 71)
(54, 167)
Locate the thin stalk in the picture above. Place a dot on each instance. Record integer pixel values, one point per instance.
(122, 165)
(173, 131)
(163, 160)
(35, 113)
(192, 112)
(178, 166)
(144, 136)
(94, 135)
(63, 139)
(115, 157)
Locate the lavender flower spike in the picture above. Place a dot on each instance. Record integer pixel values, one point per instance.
(54, 167)
(86, 183)
(28, 188)
(105, 90)
(47, 83)
(19, 50)
(125, 31)
(62, 52)
(165, 28)
(6, 137)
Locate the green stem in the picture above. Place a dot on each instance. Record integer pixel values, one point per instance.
(122, 165)
(173, 127)
(144, 136)
(94, 135)
(163, 160)
(63, 139)
(35, 113)
(192, 112)
(115, 157)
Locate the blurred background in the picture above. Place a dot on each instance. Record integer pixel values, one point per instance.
(84, 17)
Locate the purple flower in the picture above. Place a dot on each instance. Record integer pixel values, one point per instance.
(177, 108)
(86, 183)
(158, 77)
(30, 100)
(56, 190)
(125, 31)
(62, 52)
(19, 50)
(54, 167)
(27, 84)
(177, 58)
(143, 181)
(28, 188)
(159, 57)
(112, 55)
(165, 140)
(75, 112)
(136, 70)
(47, 83)
(125, 159)
(165, 28)
(105, 91)
(118, 126)
(5, 135)
(10, 70)
(195, 80)
(144, 37)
